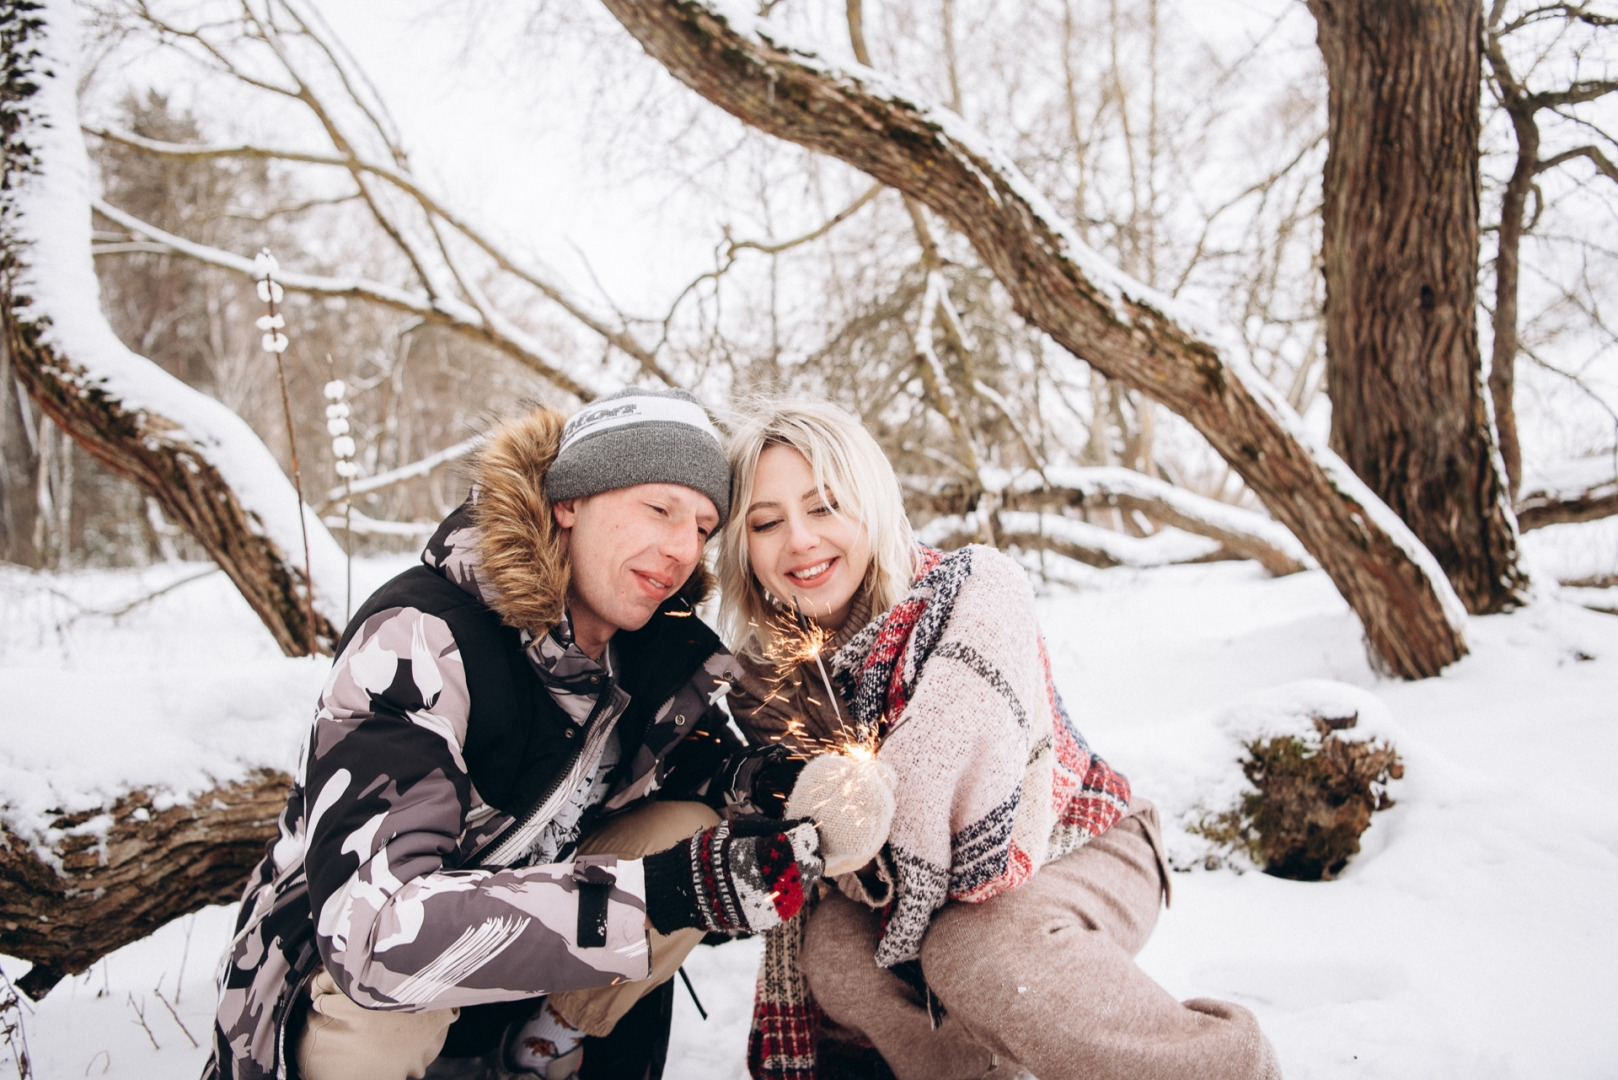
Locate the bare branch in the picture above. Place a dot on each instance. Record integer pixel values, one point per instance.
(1601, 161)
(415, 469)
(1540, 508)
(444, 311)
(830, 223)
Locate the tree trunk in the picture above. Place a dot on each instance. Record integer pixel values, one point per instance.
(1507, 265)
(1124, 330)
(116, 886)
(48, 303)
(18, 462)
(1401, 256)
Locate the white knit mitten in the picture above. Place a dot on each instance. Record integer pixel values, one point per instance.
(851, 803)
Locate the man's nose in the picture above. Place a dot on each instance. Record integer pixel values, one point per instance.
(683, 543)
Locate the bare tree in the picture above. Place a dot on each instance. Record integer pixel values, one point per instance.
(1117, 326)
(1526, 107)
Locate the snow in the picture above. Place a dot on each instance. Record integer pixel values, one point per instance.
(1472, 936)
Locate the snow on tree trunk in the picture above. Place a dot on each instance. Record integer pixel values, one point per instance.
(1401, 257)
(1413, 621)
(200, 461)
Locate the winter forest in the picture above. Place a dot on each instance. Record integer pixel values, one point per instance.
(1277, 339)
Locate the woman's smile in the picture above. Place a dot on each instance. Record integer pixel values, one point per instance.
(804, 550)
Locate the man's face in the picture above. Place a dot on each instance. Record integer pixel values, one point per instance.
(631, 549)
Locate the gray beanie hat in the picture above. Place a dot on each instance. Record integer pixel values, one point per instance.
(640, 437)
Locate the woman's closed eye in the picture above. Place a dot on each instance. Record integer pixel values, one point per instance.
(763, 526)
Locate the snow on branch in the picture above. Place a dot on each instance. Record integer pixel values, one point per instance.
(1567, 506)
(1243, 533)
(199, 460)
(1080, 541)
(421, 467)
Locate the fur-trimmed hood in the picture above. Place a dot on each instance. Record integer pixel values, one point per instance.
(503, 544)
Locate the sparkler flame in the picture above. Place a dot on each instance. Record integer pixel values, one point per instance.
(797, 641)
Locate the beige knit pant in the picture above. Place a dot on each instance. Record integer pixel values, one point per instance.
(1042, 976)
(343, 1041)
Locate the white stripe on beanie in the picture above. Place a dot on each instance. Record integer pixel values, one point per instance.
(635, 409)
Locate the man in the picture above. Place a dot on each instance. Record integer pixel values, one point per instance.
(540, 679)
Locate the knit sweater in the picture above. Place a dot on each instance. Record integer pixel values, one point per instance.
(994, 780)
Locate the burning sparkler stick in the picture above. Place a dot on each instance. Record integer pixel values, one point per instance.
(819, 637)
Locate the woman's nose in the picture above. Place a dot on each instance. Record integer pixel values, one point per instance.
(799, 536)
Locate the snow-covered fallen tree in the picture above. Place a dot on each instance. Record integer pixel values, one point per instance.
(1027, 513)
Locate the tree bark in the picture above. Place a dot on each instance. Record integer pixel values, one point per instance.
(180, 468)
(127, 870)
(1401, 255)
(1119, 327)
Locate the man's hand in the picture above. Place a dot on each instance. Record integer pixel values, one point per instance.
(740, 876)
(763, 777)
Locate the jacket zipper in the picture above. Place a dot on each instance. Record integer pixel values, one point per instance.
(537, 810)
(281, 1022)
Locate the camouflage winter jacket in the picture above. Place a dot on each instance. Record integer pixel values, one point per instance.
(435, 759)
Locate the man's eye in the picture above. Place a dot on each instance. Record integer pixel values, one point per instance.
(661, 511)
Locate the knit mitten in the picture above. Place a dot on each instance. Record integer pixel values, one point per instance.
(740, 876)
(851, 801)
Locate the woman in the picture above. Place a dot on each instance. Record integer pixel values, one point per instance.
(998, 924)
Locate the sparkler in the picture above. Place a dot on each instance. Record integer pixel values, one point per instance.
(797, 642)
(820, 637)
(845, 789)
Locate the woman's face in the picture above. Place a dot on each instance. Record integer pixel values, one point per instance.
(798, 546)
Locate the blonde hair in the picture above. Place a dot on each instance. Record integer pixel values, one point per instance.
(848, 466)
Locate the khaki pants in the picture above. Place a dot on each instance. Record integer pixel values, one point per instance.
(1042, 976)
(343, 1041)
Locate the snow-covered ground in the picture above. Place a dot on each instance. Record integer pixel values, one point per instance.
(1474, 937)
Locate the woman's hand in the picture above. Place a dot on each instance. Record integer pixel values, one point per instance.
(851, 801)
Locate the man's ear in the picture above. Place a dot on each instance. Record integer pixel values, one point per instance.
(566, 512)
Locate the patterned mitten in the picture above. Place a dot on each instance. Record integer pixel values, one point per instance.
(740, 876)
(851, 801)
